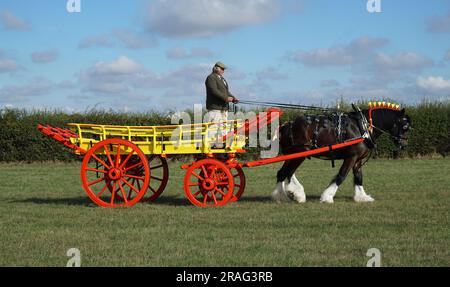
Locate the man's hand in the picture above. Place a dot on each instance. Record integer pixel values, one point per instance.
(230, 100)
(235, 100)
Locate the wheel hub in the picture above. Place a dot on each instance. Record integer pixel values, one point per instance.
(115, 174)
(208, 184)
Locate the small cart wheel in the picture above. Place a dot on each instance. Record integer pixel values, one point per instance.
(106, 166)
(208, 183)
(239, 182)
(159, 177)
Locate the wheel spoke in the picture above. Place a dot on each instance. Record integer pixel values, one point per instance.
(214, 197)
(205, 198)
(134, 176)
(101, 161)
(113, 193)
(103, 190)
(155, 167)
(118, 156)
(133, 166)
(197, 193)
(126, 160)
(204, 172)
(108, 155)
(123, 193)
(129, 184)
(157, 178)
(96, 181)
(197, 176)
(151, 188)
(219, 191)
(222, 183)
(137, 182)
(194, 184)
(96, 170)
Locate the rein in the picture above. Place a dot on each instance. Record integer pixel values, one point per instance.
(288, 106)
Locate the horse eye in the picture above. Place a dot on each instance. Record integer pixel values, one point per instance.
(405, 127)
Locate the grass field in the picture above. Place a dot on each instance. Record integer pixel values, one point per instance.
(44, 212)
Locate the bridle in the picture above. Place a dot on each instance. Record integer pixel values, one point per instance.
(373, 106)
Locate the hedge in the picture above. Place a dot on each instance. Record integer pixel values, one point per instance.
(21, 141)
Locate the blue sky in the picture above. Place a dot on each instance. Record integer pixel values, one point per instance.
(143, 55)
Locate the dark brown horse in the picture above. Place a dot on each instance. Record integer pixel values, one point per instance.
(309, 132)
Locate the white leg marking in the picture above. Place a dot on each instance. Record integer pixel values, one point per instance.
(279, 194)
(296, 190)
(328, 194)
(361, 196)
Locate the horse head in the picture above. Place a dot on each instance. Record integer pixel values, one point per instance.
(400, 129)
(390, 119)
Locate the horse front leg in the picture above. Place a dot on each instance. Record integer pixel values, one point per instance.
(329, 193)
(360, 194)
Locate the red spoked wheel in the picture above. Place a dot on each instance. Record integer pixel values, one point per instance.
(208, 183)
(239, 182)
(159, 177)
(111, 164)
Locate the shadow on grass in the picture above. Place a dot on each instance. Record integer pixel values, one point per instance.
(163, 200)
(81, 201)
(255, 198)
(85, 201)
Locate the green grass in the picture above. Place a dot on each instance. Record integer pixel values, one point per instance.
(44, 212)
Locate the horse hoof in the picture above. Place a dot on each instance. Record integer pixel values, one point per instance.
(365, 198)
(300, 199)
(326, 199)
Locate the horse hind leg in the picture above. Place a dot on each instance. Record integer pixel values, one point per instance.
(288, 187)
(329, 193)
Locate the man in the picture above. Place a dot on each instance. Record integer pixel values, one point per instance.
(218, 98)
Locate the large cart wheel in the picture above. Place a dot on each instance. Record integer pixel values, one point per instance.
(239, 182)
(208, 183)
(107, 166)
(159, 177)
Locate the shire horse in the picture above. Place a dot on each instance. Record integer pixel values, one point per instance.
(309, 132)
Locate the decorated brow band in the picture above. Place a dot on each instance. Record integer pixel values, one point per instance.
(384, 105)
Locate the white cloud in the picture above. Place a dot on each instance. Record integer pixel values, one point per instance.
(439, 24)
(7, 64)
(102, 40)
(402, 61)
(133, 40)
(434, 84)
(269, 74)
(181, 53)
(128, 38)
(205, 18)
(120, 66)
(357, 51)
(17, 93)
(44, 56)
(12, 22)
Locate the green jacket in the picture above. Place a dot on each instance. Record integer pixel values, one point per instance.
(217, 93)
